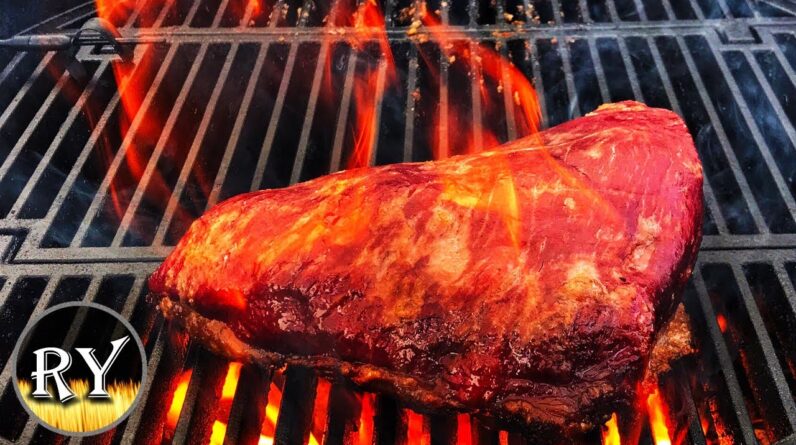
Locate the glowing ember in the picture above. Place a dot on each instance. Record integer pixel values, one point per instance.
(256, 8)
(365, 429)
(320, 408)
(722, 321)
(464, 433)
(217, 435)
(610, 432)
(231, 381)
(271, 412)
(416, 432)
(656, 408)
(503, 438)
(177, 400)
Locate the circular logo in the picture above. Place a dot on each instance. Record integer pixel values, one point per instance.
(78, 368)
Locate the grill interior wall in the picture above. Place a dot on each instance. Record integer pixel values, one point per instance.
(241, 106)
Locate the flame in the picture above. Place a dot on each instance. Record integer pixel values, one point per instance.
(231, 380)
(82, 413)
(416, 431)
(365, 430)
(610, 432)
(464, 432)
(656, 408)
(271, 413)
(320, 409)
(177, 400)
(255, 7)
(722, 321)
(503, 438)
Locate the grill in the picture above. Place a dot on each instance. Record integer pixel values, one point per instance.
(239, 93)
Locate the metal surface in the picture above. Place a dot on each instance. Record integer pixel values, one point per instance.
(244, 105)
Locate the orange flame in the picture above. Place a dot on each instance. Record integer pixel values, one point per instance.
(177, 400)
(416, 431)
(722, 321)
(365, 430)
(610, 432)
(464, 432)
(656, 407)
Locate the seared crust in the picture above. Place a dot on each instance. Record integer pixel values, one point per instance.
(217, 337)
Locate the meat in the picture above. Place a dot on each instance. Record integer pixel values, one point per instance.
(528, 283)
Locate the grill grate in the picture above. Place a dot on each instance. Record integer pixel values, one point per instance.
(242, 105)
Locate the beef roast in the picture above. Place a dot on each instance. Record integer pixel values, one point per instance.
(527, 283)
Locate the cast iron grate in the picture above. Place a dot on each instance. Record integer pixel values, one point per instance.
(245, 102)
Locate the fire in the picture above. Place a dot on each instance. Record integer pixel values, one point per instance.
(82, 413)
(416, 431)
(177, 400)
(367, 412)
(610, 432)
(722, 321)
(658, 420)
(464, 432)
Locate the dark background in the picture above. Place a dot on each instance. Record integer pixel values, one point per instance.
(16, 15)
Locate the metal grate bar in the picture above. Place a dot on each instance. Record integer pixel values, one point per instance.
(133, 422)
(152, 163)
(241, 118)
(574, 108)
(605, 94)
(710, 198)
(121, 152)
(46, 159)
(276, 113)
(508, 93)
(190, 159)
(295, 412)
(765, 151)
(772, 363)
(337, 147)
(642, 12)
(630, 69)
(723, 355)
(538, 83)
(697, 10)
(732, 159)
(200, 407)
(787, 285)
(33, 124)
(165, 134)
(444, 78)
(229, 151)
(101, 194)
(667, 7)
(41, 305)
(8, 112)
(11, 66)
(411, 84)
(475, 97)
(772, 98)
(309, 116)
(246, 414)
(378, 99)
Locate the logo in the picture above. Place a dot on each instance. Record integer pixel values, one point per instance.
(78, 369)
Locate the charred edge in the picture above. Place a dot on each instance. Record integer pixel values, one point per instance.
(218, 338)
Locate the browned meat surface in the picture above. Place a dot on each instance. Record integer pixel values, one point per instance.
(527, 283)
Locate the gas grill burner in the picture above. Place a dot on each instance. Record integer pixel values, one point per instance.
(99, 178)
